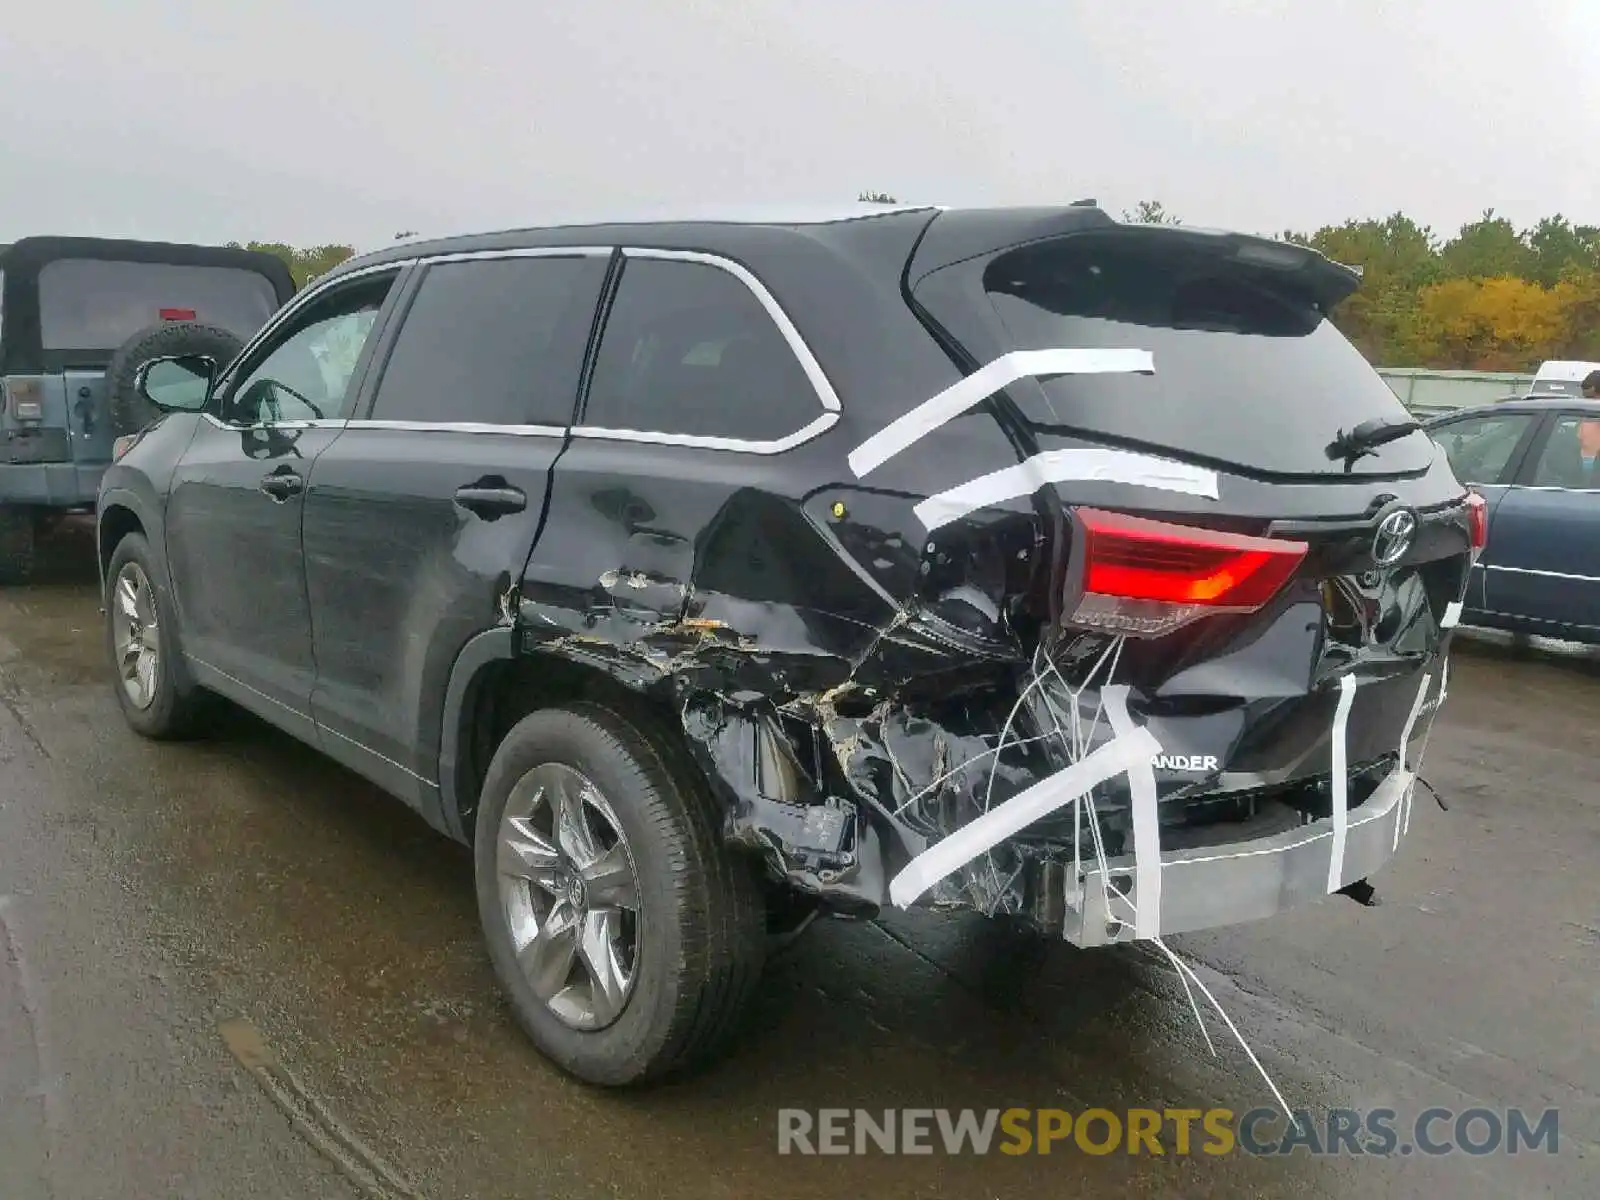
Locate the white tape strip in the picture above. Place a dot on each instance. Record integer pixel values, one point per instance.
(1405, 744)
(985, 382)
(1452, 614)
(959, 848)
(1146, 822)
(1438, 703)
(1061, 466)
(1340, 784)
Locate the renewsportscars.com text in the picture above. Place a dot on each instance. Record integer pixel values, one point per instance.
(1379, 1132)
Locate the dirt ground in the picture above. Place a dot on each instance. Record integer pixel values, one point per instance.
(229, 968)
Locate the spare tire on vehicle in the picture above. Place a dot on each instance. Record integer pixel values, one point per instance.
(131, 412)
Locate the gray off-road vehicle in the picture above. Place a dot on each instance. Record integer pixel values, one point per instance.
(78, 317)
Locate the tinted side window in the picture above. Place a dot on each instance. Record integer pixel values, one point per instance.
(493, 342)
(310, 365)
(688, 349)
(1569, 458)
(1480, 447)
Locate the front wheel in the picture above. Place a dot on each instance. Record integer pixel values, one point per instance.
(625, 934)
(141, 640)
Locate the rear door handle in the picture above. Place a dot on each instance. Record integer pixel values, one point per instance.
(281, 487)
(491, 499)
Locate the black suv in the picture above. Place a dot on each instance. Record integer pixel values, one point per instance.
(710, 576)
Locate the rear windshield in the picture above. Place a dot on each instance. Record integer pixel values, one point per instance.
(97, 304)
(1245, 372)
(1556, 387)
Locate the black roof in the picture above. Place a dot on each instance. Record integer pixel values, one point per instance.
(28, 254)
(957, 234)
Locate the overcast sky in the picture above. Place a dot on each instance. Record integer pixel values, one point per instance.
(316, 121)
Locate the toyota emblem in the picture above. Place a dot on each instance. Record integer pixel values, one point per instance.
(1393, 539)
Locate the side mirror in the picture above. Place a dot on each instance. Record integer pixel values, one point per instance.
(180, 384)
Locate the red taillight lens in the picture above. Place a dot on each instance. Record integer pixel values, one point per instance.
(1147, 578)
(1478, 521)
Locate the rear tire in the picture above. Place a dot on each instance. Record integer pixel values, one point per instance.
(172, 706)
(697, 923)
(131, 412)
(18, 537)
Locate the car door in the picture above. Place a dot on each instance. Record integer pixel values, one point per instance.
(1485, 449)
(419, 518)
(1547, 526)
(236, 498)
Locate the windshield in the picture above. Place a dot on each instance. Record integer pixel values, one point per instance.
(97, 304)
(1245, 372)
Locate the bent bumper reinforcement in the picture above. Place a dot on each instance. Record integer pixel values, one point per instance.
(1154, 892)
(1242, 881)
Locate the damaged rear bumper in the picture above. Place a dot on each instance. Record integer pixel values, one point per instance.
(1235, 882)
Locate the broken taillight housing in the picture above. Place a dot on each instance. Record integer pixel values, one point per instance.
(1477, 521)
(1147, 578)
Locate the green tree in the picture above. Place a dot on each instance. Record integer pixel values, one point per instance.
(1397, 257)
(1558, 245)
(1150, 212)
(876, 198)
(304, 265)
(1487, 248)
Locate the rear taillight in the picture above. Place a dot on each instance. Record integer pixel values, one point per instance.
(25, 399)
(123, 444)
(1477, 521)
(1147, 578)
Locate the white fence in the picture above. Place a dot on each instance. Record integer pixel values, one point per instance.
(1426, 391)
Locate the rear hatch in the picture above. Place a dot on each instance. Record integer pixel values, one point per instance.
(81, 299)
(1245, 421)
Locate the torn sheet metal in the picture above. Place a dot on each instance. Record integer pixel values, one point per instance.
(966, 394)
(1098, 465)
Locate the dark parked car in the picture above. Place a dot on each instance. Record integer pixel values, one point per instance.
(709, 576)
(77, 317)
(1534, 460)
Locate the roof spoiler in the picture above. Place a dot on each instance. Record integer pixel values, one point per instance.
(963, 235)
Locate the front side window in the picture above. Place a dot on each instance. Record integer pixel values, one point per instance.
(1569, 458)
(308, 371)
(689, 350)
(493, 342)
(1480, 447)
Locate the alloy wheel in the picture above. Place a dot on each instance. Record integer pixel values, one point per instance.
(136, 635)
(570, 893)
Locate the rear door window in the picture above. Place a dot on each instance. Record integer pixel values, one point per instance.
(689, 350)
(1480, 448)
(493, 342)
(1247, 371)
(97, 304)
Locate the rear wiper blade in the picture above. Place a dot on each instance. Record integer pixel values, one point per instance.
(1367, 437)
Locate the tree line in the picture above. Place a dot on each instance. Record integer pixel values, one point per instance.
(1491, 298)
